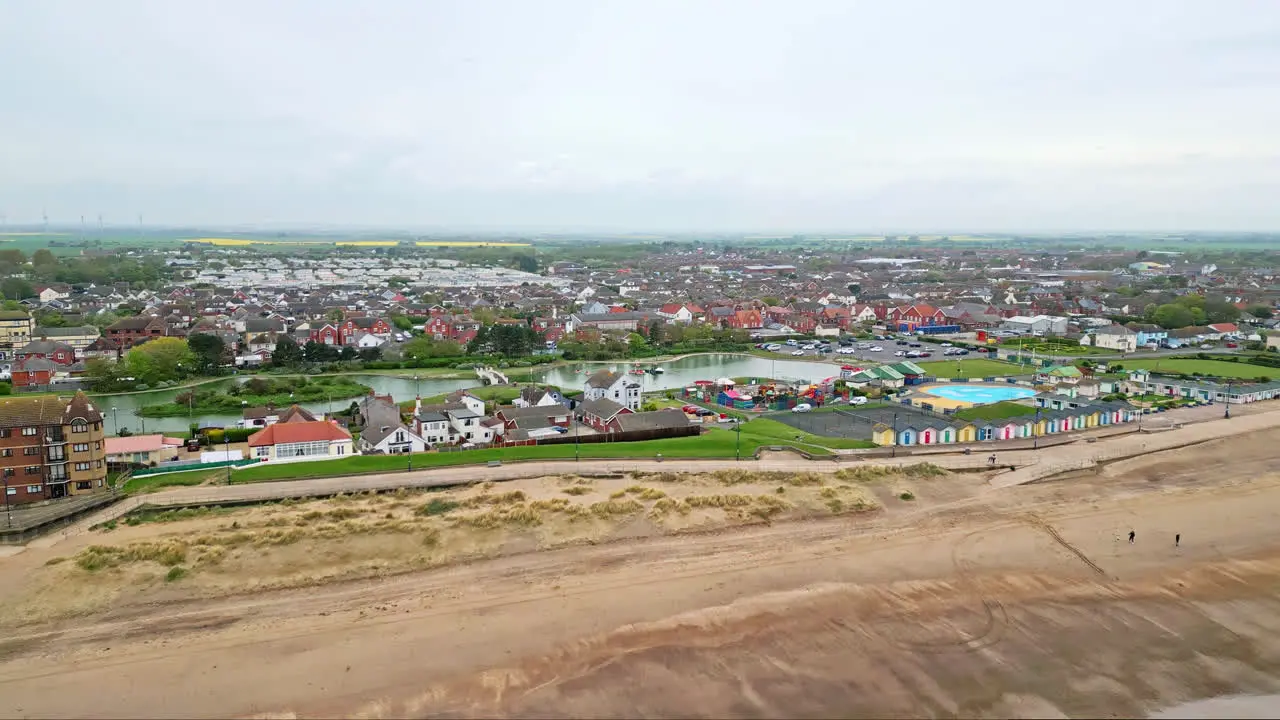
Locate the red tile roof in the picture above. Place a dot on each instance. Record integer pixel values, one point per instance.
(296, 432)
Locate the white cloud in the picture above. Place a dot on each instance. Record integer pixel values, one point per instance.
(715, 114)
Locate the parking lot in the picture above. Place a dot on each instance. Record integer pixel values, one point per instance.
(880, 351)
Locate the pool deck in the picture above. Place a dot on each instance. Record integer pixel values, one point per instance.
(939, 403)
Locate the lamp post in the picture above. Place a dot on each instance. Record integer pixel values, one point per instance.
(737, 450)
(115, 414)
(1035, 437)
(894, 451)
(1226, 413)
(577, 433)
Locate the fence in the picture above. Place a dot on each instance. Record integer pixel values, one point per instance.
(183, 467)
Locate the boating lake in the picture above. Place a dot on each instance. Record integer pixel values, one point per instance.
(119, 410)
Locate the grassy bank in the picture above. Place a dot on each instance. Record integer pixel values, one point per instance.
(256, 392)
(973, 368)
(995, 411)
(1213, 368)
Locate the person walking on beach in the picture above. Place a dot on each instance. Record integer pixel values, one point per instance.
(992, 460)
(1177, 539)
(1132, 535)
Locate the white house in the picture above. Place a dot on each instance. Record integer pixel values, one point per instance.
(390, 440)
(296, 441)
(369, 340)
(827, 331)
(434, 428)
(1113, 337)
(608, 384)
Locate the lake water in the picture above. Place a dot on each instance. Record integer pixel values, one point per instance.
(678, 374)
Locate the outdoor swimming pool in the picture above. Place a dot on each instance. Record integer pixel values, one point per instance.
(978, 393)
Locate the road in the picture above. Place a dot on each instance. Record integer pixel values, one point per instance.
(889, 347)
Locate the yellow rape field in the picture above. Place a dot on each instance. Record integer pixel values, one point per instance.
(368, 243)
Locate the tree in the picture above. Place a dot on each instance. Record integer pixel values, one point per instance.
(349, 353)
(159, 360)
(1261, 312)
(527, 263)
(1172, 315)
(371, 354)
(13, 256)
(1221, 311)
(287, 353)
(314, 352)
(854, 289)
(208, 351)
(50, 318)
(402, 323)
(334, 315)
(16, 288)
(657, 332)
(43, 257)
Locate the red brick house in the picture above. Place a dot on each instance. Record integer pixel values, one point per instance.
(602, 414)
(352, 328)
(326, 335)
(59, 353)
(917, 315)
(746, 320)
(127, 332)
(36, 372)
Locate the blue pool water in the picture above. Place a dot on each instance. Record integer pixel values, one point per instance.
(981, 394)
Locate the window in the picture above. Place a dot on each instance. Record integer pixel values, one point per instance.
(7, 452)
(5, 432)
(28, 431)
(31, 489)
(262, 451)
(83, 466)
(79, 426)
(57, 454)
(80, 447)
(10, 491)
(9, 472)
(33, 469)
(98, 463)
(84, 485)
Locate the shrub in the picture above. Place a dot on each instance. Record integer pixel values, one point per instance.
(437, 506)
(177, 572)
(906, 496)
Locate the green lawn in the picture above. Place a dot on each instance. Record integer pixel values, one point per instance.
(766, 431)
(1053, 348)
(995, 411)
(501, 394)
(152, 483)
(1215, 368)
(972, 368)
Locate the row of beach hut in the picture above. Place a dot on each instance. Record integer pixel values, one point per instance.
(945, 431)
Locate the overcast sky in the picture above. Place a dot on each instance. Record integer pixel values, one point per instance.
(688, 115)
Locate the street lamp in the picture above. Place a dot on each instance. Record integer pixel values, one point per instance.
(894, 451)
(1226, 413)
(737, 450)
(1035, 436)
(115, 413)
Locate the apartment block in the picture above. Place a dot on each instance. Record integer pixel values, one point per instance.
(51, 448)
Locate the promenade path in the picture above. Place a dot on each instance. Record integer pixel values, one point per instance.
(1021, 466)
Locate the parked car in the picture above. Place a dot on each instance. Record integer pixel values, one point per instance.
(857, 400)
(792, 342)
(690, 409)
(802, 407)
(902, 342)
(797, 352)
(898, 353)
(1205, 346)
(963, 352)
(876, 348)
(1233, 345)
(926, 353)
(946, 344)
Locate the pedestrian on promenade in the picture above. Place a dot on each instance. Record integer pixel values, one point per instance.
(1177, 539)
(1132, 535)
